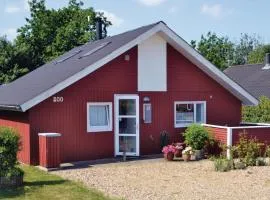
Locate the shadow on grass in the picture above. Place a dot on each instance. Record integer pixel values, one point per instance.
(27, 186)
(44, 183)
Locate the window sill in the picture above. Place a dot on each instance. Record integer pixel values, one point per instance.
(95, 130)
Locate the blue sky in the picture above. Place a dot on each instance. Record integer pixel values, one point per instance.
(189, 18)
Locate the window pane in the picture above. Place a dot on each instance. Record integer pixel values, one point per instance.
(127, 107)
(99, 115)
(200, 113)
(127, 143)
(127, 125)
(184, 113)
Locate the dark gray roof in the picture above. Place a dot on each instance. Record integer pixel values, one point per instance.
(40, 80)
(251, 77)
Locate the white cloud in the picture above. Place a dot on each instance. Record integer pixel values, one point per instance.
(12, 9)
(116, 21)
(11, 33)
(152, 2)
(173, 10)
(215, 10)
(21, 6)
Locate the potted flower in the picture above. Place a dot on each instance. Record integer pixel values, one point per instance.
(179, 148)
(186, 153)
(196, 137)
(169, 151)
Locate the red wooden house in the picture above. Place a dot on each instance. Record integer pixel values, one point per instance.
(123, 89)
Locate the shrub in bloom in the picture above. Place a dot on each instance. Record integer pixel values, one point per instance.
(187, 151)
(169, 149)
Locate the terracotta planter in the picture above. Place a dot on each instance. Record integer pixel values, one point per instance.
(169, 156)
(14, 181)
(186, 157)
(178, 153)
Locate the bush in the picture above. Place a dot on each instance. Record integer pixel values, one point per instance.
(222, 164)
(259, 113)
(247, 150)
(9, 146)
(213, 147)
(196, 136)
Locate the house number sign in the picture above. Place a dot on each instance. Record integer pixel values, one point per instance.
(58, 99)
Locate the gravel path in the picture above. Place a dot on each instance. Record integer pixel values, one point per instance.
(158, 179)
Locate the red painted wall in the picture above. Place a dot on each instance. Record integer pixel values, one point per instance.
(19, 121)
(185, 82)
(219, 134)
(261, 134)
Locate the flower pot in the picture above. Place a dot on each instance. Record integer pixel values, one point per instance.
(178, 153)
(198, 154)
(186, 157)
(169, 156)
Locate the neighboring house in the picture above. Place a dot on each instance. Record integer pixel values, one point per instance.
(122, 89)
(255, 78)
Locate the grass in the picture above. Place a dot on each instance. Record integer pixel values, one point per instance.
(42, 185)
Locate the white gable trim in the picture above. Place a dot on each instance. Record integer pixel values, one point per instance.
(170, 37)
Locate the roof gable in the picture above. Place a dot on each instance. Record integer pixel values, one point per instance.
(51, 78)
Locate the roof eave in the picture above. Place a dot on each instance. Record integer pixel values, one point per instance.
(11, 108)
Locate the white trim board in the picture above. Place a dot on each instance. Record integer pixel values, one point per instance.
(173, 39)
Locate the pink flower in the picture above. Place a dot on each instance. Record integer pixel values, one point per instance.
(169, 149)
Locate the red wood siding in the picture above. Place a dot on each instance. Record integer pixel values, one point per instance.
(49, 152)
(219, 134)
(184, 80)
(19, 121)
(261, 134)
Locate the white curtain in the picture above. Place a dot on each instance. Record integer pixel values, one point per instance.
(99, 115)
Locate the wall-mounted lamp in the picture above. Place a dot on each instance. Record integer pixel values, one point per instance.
(127, 57)
(146, 99)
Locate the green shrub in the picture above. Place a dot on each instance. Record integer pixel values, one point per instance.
(196, 136)
(259, 113)
(267, 151)
(212, 146)
(239, 164)
(222, 164)
(260, 162)
(247, 150)
(9, 146)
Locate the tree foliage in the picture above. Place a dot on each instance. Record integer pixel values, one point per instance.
(222, 52)
(258, 55)
(47, 34)
(259, 113)
(218, 50)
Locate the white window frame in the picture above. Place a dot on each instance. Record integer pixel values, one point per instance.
(194, 114)
(90, 128)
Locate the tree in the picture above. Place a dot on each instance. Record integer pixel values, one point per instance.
(47, 34)
(258, 54)
(244, 47)
(218, 50)
(259, 113)
(9, 62)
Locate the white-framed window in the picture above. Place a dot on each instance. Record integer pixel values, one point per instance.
(188, 112)
(99, 116)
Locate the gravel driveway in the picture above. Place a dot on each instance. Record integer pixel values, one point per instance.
(158, 179)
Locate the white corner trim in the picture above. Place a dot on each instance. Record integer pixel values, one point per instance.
(49, 134)
(229, 141)
(91, 129)
(160, 27)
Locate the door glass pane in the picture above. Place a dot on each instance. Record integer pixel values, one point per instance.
(127, 125)
(127, 107)
(200, 113)
(128, 143)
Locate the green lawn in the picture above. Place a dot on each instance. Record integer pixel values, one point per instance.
(39, 185)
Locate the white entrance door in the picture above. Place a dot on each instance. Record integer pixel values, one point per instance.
(126, 125)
